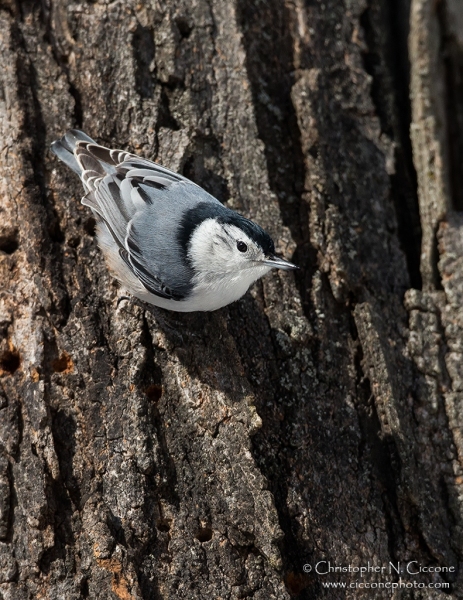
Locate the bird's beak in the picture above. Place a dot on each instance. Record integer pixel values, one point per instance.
(279, 263)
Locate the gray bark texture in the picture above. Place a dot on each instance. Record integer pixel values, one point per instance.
(154, 455)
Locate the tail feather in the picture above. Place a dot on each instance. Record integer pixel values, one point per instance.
(75, 135)
(64, 148)
(67, 157)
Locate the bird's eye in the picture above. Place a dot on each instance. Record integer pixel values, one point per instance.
(241, 246)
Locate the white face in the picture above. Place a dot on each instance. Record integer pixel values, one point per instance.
(224, 249)
(226, 262)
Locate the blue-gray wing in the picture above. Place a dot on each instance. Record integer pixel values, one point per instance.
(142, 204)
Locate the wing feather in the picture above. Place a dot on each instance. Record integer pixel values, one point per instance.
(121, 185)
(126, 192)
(129, 195)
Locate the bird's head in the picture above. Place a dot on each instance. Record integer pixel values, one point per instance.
(227, 245)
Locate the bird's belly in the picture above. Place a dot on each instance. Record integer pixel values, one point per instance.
(220, 292)
(207, 296)
(196, 302)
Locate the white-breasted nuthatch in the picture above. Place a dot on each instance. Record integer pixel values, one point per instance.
(167, 240)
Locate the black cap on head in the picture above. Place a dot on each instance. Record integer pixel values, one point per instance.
(252, 230)
(205, 210)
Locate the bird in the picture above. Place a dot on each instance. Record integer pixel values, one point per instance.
(168, 241)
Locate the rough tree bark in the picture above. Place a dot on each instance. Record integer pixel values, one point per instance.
(146, 454)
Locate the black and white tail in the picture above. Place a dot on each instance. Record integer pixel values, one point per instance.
(88, 159)
(64, 148)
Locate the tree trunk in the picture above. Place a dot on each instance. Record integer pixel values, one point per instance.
(317, 421)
